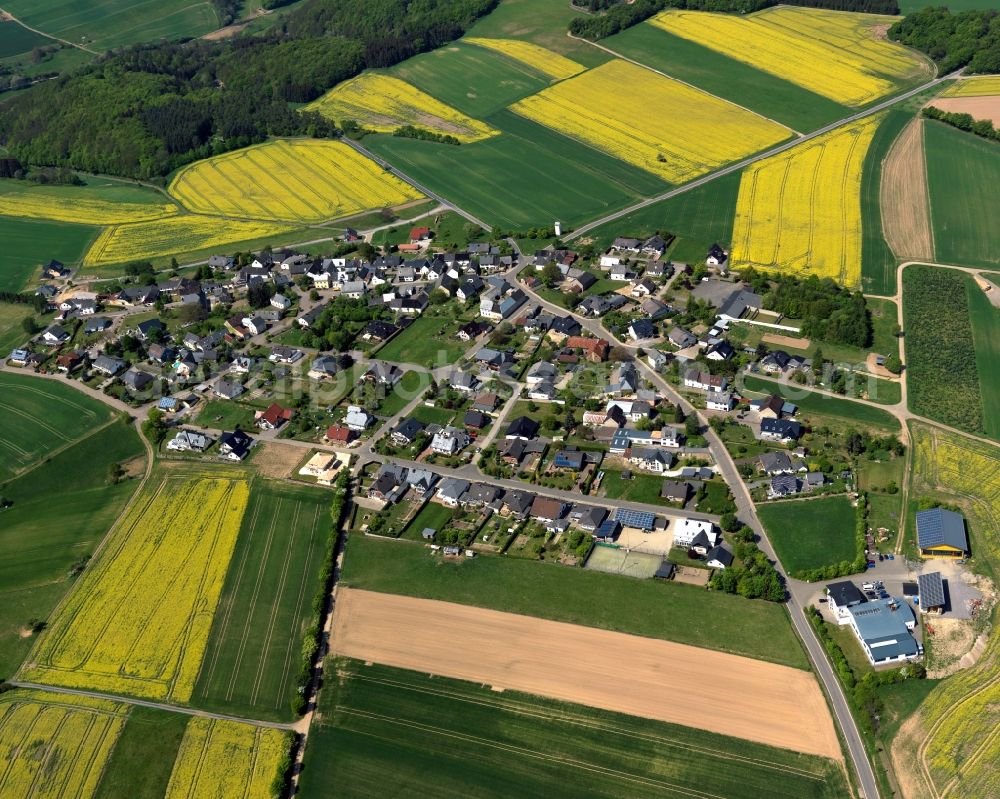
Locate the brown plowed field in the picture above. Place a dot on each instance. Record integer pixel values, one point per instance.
(700, 688)
(906, 215)
(986, 107)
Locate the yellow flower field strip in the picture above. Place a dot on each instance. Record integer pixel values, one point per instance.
(140, 619)
(186, 233)
(965, 703)
(383, 103)
(55, 746)
(543, 60)
(225, 758)
(296, 181)
(800, 211)
(661, 125)
(34, 204)
(973, 87)
(830, 53)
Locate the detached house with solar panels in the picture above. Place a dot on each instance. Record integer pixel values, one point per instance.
(941, 534)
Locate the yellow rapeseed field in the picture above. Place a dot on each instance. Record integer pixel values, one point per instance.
(958, 720)
(800, 211)
(545, 61)
(138, 621)
(383, 103)
(974, 87)
(64, 205)
(302, 180)
(831, 53)
(55, 746)
(659, 124)
(224, 759)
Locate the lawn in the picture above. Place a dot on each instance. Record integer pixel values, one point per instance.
(878, 264)
(41, 539)
(673, 612)
(432, 515)
(476, 81)
(876, 475)
(430, 341)
(252, 657)
(885, 510)
(428, 736)
(144, 755)
(698, 218)
(986, 334)
(945, 383)
(641, 488)
(107, 24)
(11, 333)
(28, 243)
(429, 415)
(221, 414)
(410, 386)
(884, 321)
(810, 403)
(526, 177)
(45, 417)
(727, 78)
(448, 227)
(963, 179)
(810, 533)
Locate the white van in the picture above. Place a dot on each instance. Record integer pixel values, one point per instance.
(868, 586)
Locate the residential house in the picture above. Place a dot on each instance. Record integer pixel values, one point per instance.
(472, 330)
(451, 490)
(227, 389)
(612, 417)
(255, 324)
(718, 557)
(379, 330)
(649, 459)
(941, 534)
(841, 597)
(546, 509)
(770, 408)
(382, 374)
(390, 483)
(480, 495)
(466, 382)
(494, 360)
(273, 417)
(675, 491)
(421, 480)
(624, 379)
(69, 362)
(569, 459)
(189, 441)
(621, 272)
(517, 503)
(281, 302)
(450, 440)
(681, 338)
(353, 289)
(775, 463)
(693, 378)
(541, 372)
(54, 335)
(523, 428)
(623, 244)
(594, 350)
(738, 304)
(720, 402)
(717, 256)
(283, 354)
(106, 364)
(136, 380)
(720, 350)
(642, 329)
(339, 434)
(323, 367)
(654, 309)
(644, 288)
(406, 432)
(159, 353)
(96, 324)
(781, 430)
(357, 418)
(783, 485)
(687, 529)
(235, 446)
(150, 328)
(475, 420)
(656, 359)
(598, 305)
(486, 402)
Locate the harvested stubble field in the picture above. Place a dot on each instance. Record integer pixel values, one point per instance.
(226, 759)
(833, 54)
(300, 180)
(558, 661)
(800, 211)
(53, 745)
(111, 204)
(555, 66)
(382, 731)
(383, 103)
(138, 621)
(953, 738)
(175, 234)
(978, 107)
(654, 122)
(906, 213)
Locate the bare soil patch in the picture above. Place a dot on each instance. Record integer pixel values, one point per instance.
(765, 702)
(224, 33)
(692, 576)
(277, 460)
(981, 107)
(906, 216)
(990, 289)
(879, 371)
(787, 341)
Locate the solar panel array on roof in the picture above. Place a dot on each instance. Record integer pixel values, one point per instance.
(939, 526)
(643, 520)
(931, 590)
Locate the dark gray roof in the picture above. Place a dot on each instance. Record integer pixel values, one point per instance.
(940, 527)
(845, 593)
(721, 554)
(931, 590)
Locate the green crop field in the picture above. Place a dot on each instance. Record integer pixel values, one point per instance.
(11, 333)
(698, 218)
(16, 40)
(430, 341)
(392, 732)
(60, 512)
(810, 402)
(963, 180)
(43, 416)
(670, 611)
(986, 335)
(543, 22)
(717, 74)
(475, 80)
(941, 359)
(143, 757)
(810, 533)
(526, 177)
(111, 23)
(252, 658)
(878, 264)
(28, 243)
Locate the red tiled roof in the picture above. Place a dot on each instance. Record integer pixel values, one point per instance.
(275, 414)
(338, 433)
(418, 233)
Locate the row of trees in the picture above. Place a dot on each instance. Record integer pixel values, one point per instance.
(964, 39)
(756, 578)
(144, 111)
(966, 122)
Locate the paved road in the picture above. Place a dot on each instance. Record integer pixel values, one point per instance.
(694, 184)
(188, 711)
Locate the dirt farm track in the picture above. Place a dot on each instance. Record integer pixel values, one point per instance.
(723, 693)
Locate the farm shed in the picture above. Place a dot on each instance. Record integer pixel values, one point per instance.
(931, 592)
(941, 534)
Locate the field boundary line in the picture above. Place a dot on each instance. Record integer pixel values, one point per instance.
(58, 450)
(521, 709)
(532, 753)
(12, 18)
